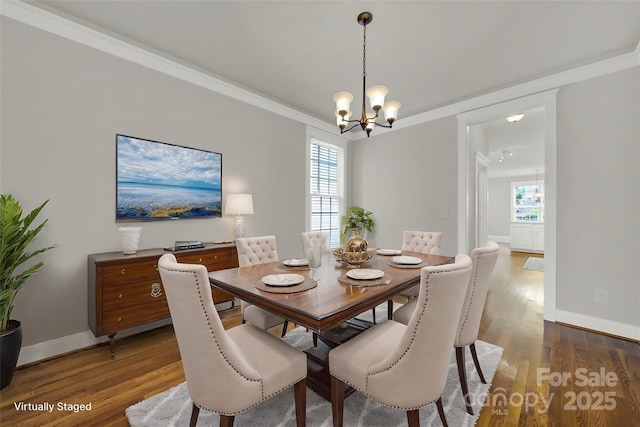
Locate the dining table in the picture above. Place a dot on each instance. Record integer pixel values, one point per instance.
(329, 303)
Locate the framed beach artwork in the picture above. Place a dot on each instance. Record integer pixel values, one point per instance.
(157, 181)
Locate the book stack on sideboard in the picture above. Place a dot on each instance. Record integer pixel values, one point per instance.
(125, 291)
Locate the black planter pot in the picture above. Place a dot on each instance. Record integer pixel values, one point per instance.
(10, 344)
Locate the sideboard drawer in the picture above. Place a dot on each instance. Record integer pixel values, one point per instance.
(126, 295)
(117, 320)
(130, 272)
(208, 259)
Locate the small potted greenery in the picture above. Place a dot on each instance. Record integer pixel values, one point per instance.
(358, 219)
(15, 238)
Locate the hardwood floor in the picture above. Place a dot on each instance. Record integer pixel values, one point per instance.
(149, 363)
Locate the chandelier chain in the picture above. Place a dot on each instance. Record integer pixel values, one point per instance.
(364, 50)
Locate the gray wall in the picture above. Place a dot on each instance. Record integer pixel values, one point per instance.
(63, 103)
(406, 178)
(599, 196)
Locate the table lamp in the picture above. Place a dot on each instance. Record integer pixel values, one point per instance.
(239, 204)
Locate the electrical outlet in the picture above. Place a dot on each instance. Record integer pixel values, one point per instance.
(601, 296)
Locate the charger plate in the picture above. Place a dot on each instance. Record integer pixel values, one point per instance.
(384, 280)
(304, 286)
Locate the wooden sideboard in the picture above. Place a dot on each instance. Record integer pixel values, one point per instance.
(125, 291)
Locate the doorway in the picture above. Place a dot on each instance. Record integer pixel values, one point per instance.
(468, 182)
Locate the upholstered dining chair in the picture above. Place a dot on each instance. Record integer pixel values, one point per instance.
(484, 260)
(227, 371)
(252, 251)
(310, 238)
(425, 242)
(405, 366)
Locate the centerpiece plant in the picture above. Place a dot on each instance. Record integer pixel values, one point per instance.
(357, 217)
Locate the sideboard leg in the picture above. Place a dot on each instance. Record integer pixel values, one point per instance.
(112, 345)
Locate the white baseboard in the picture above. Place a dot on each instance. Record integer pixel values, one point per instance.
(500, 239)
(601, 325)
(58, 346)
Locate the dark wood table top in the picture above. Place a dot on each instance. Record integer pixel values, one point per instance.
(331, 302)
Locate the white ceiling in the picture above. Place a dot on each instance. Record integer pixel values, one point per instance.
(429, 54)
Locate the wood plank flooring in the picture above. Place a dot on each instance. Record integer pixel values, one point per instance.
(149, 363)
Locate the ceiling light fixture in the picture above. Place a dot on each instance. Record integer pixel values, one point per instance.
(503, 154)
(515, 118)
(376, 96)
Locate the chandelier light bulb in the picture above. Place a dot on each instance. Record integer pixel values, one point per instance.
(390, 109)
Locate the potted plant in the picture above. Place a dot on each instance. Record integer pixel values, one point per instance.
(15, 238)
(358, 219)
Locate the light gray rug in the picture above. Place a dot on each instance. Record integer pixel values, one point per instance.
(173, 407)
(534, 263)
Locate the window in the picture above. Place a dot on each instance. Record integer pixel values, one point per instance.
(527, 201)
(326, 189)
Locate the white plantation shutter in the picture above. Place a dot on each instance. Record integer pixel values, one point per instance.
(327, 189)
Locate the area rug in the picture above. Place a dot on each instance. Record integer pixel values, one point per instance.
(173, 407)
(534, 263)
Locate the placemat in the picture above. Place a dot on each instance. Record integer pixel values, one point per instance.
(384, 280)
(304, 286)
(393, 264)
(281, 266)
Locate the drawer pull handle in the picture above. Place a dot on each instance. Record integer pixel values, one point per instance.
(119, 295)
(199, 259)
(215, 257)
(156, 290)
(155, 266)
(123, 271)
(119, 319)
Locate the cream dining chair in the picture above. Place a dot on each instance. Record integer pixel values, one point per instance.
(424, 242)
(227, 371)
(252, 251)
(484, 260)
(405, 366)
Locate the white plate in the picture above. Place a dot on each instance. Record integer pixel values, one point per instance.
(296, 262)
(282, 279)
(389, 252)
(406, 260)
(365, 274)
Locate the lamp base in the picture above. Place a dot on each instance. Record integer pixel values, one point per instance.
(238, 227)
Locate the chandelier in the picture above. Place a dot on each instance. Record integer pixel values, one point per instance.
(376, 94)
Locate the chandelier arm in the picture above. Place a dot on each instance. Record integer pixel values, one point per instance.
(383, 125)
(347, 130)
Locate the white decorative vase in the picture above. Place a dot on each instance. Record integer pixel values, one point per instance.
(129, 239)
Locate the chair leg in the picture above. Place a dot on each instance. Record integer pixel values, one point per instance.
(194, 416)
(373, 310)
(315, 339)
(284, 328)
(462, 373)
(476, 362)
(300, 391)
(337, 401)
(389, 309)
(441, 412)
(413, 418)
(226, 420)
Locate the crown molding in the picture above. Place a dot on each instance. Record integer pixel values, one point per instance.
(55, 24)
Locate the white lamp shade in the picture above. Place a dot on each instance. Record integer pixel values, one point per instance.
(376, 96)
(343, 101)
(391, 110)
(239, 204)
